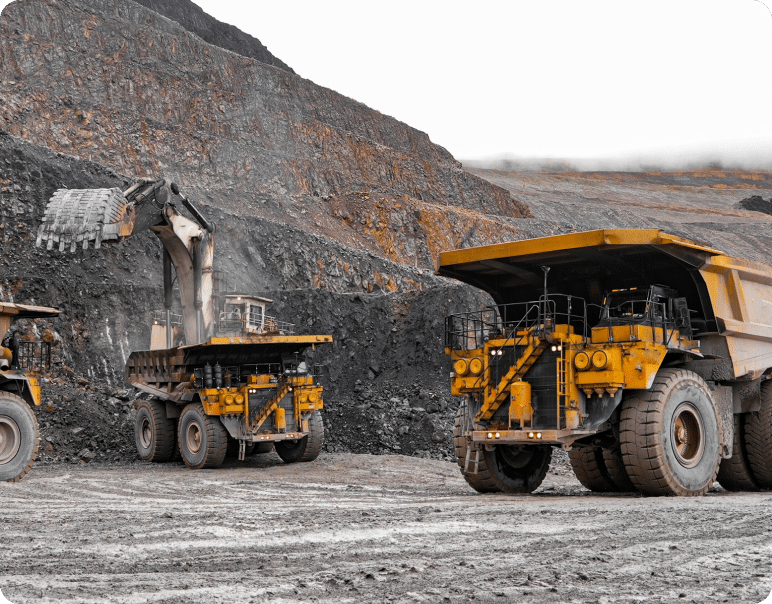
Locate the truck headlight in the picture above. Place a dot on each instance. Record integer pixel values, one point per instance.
(475, 366)
(599, 359)
(460, 367)
(581, 361)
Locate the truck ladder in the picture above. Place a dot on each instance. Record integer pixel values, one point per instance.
(562, 386)
(472, 464)
(495, 396)
(271, 406)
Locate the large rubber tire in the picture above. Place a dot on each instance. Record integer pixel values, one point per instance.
(306, 448)
(590, 469)
(518, 469)
(203, 440)
(261, 448)
(735, 473)
(669, 435)
(615, 466)
(504, 469)
(154, 433)
(483, 481)
(232, 450)
(758, 439)
(19, 437)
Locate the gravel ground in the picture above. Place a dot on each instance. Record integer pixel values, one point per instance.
(367, 528)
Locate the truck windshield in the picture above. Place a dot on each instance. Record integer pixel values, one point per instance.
(628, 305)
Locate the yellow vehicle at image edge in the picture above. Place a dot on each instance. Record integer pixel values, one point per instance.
(21, 363)
(645, 355)
(222, 374)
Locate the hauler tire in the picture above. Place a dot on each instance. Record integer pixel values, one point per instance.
(306, 448)
(615, 466)
(758, 438)
(19, 437)
(232, 450)
(202, 438)
(518, 469)
(505, 468)
(590, 469)
(735, 473)
(669, 435)
(154, 434)
(483, 480)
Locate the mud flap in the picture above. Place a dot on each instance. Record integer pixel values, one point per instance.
(723, 401)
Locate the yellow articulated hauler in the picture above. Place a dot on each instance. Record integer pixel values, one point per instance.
(645, 355)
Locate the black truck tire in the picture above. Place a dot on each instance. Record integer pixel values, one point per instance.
(203, 440)
(589, 467)
(19, 437)
(154, 432)
(306, 448)
(518, 469)
(735, 473)
(669, 435)
(483, 480)
(505, 468)
(615, 466)
(758, 439)
(232, 450)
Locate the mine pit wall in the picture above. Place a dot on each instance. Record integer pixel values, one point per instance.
(386, 319)
(117, 83)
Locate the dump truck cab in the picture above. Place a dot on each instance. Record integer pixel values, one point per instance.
(593, 339)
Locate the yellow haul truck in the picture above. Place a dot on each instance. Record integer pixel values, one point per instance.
(20, 363)
(223, 372)
(645, 355)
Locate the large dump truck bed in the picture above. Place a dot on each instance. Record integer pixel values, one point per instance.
(731, 298)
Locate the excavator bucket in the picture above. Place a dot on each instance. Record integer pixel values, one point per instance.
(77, 216)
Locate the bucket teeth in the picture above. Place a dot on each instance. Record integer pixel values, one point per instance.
(77, 216)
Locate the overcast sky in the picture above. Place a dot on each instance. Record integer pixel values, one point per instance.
(537, 78)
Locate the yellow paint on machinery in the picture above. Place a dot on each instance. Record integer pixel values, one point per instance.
(20, 365)
(617, 354)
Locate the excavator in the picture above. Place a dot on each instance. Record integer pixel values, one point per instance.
(222, 375)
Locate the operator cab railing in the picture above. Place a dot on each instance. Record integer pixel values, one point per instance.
(471, 330)
(33, 356)
(658, 307)
(253, 322)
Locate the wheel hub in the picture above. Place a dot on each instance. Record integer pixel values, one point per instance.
(687, 435)
(10, 440)
(193, 437)
(146, 433)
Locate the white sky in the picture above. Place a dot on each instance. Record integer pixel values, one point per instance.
(540, 78)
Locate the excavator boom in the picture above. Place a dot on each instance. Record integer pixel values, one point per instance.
(73, 217)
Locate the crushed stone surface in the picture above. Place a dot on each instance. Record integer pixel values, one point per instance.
(367, 528)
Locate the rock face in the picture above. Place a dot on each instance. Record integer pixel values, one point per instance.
(116, 82)
(195, 20)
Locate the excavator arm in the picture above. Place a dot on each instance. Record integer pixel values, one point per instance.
(74, 217)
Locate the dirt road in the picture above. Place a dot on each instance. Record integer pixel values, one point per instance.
(361, 528)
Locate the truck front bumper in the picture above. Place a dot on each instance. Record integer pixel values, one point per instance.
(528, 437)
